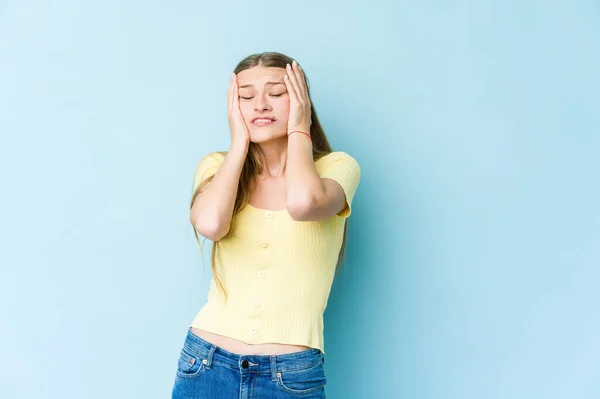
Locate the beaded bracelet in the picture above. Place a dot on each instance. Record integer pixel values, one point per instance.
(298, 131)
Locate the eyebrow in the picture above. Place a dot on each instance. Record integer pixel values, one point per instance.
(268, 83)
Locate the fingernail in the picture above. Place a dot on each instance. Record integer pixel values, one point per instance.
(288, 66)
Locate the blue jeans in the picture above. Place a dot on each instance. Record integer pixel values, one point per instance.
(207, 371)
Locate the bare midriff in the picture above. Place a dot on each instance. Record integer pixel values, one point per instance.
(242, 348)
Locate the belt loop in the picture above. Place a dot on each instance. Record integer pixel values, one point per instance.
(210, 356)
(273, 368)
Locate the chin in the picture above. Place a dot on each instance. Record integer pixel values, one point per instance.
(262, 137)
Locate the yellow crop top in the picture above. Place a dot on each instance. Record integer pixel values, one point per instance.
(277, 271)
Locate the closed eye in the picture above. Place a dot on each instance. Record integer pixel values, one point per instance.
(272, 95)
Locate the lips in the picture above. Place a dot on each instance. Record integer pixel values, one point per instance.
(271, 119)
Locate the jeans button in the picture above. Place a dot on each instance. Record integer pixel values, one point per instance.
(245, 363)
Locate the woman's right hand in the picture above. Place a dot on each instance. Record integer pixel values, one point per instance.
(239, 131)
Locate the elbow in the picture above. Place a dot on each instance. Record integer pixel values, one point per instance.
(298, 207)
(209, 227)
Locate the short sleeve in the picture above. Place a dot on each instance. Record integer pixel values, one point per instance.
(344, 169)
(207, 167)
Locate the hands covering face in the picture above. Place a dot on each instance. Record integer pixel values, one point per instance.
(300, 107)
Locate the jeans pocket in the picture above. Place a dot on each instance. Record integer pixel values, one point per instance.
(302, 381)
(189, 365)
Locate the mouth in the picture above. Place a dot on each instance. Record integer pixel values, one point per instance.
(263, 121)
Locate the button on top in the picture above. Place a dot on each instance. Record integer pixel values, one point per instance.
(263, 244)
(253, 331)
(269, 214)
(261, 273)
(256, 304)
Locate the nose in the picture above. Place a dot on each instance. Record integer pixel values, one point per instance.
(261, 104)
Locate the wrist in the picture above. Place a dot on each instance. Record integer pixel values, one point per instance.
(302, 128)
(239, 147)
(299, 133)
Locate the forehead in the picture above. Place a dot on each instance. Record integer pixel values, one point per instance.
(259, 75)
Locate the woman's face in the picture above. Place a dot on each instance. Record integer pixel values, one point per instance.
(263, 94)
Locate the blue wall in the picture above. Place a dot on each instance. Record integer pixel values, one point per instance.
(473, 253)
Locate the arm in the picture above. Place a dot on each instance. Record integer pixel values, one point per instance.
(213, 208)
(308, 196)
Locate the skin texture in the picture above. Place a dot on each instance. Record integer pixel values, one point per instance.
(289, 180)
(259, 98)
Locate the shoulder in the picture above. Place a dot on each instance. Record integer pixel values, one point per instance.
(212, 157)
(210, 161)
(337, 159)
(208, 166)
(342, 168)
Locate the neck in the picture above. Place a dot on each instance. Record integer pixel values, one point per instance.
(274, 157)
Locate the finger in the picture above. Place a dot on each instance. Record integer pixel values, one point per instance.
(230, 93)
(301, 81)
(304, 84)
(290, 86)
(294, 79)
(234, 91)
(236, 95)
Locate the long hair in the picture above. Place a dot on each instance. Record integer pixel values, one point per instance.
(253, 164)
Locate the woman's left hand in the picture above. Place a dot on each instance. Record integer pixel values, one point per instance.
(300, 107)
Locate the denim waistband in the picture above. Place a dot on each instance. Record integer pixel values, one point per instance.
(211, 353)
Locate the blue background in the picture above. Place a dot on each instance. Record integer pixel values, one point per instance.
(473, 254)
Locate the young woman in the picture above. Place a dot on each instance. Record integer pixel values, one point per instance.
(276, 207)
